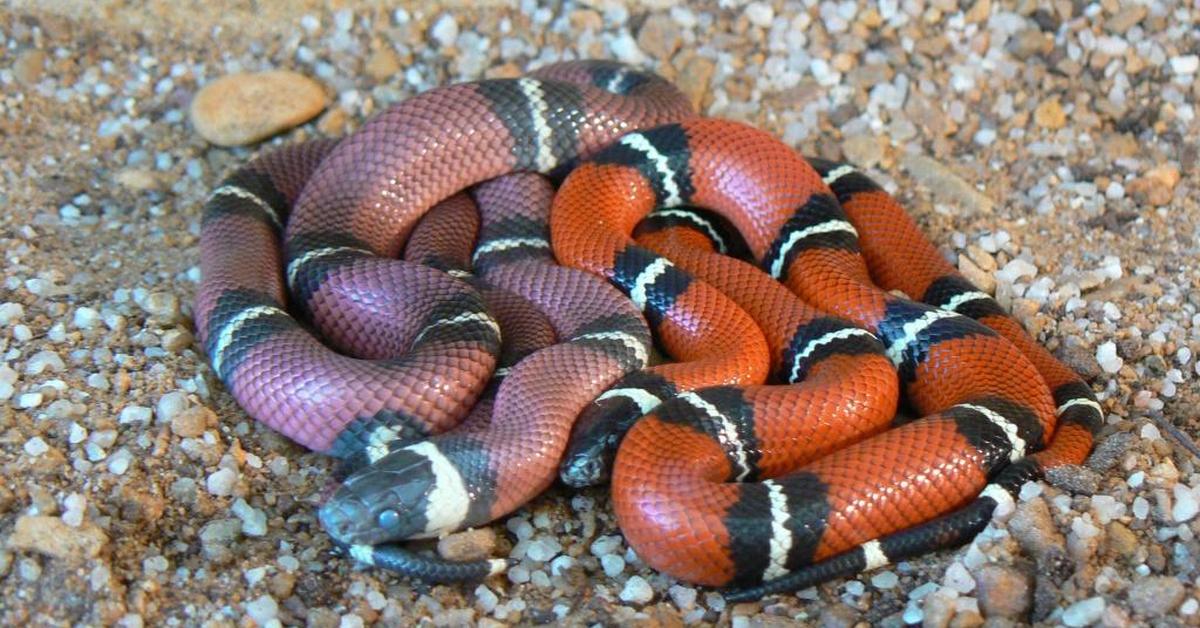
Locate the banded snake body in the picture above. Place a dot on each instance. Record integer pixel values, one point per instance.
(765, 455)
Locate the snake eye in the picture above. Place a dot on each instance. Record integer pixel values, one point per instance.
(388, 519)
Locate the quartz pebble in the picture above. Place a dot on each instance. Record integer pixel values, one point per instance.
(221, 482)
(1084, 612)
(637, 591)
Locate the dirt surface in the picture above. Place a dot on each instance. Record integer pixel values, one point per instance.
(1050, 151)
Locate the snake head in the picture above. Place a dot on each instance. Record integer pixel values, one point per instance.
(386, 501)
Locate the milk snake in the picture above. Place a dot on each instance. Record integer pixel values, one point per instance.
(725, 480)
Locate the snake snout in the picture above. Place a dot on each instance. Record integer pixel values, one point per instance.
(584, 468)
(386, 501)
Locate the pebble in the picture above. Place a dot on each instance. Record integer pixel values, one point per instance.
(86, 318)
(254, 521)
(262, 609)
(244, 108)
(885, 580)
(683, 597)
(946, 185)
(221, 482)
(36, 446)
(191, 422)
(485, 599)
(1185, 64)
(518, 574)
(958, 578)
(119, 461)
(445, 30)
(1004, 591)
(1106, 356)
(44, 360)
(135, 414)
(605, 545)
(637, 591)
(170, 406)
(1049, 114)
(1156, 596)
(216, 536)
(543, 548)
(74, 509)
(163, 306)
(612, 564)
(1084, 612)
(473, 544)
(561, 564)
(659, 36)
(1185, 504)
(383, 64)
(53, 537)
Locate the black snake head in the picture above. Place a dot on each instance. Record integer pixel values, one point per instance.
(386, 501)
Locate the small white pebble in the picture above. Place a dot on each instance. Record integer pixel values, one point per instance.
(262, 609)
(1136, 479)
(543, 549)
(1084, 612)
(486, 599)
(520, 527)
(920, 592)
(561, 564)
(913, 614)
(605, 545)
(683, 597)
(170, 405)
(1185, 64)
(1107, 508)
(254, 521)
(1141, 507)
(1084, 528)
(36, 446)
(119, 461)
(135, 414)
(221, 482)
(43, 360)
(11, 313)
(444, 30)
(1186, 506)
(85, 318)
(1189, 607)
(518, 574)
(760, 14)
(289, 563)
(636, 591)
(1106, 355)
(612, 564)
(625, 48)
(76, 433)
(958, 578)
(254, 575)
(74, 508)
(885, 580)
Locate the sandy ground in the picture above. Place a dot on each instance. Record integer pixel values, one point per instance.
(1050, 151)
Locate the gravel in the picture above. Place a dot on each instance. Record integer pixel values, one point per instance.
(1049, 150)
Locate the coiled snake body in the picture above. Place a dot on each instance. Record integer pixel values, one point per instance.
(724, 479)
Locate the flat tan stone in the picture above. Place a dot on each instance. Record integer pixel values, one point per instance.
(244, 108)
(52, 537)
